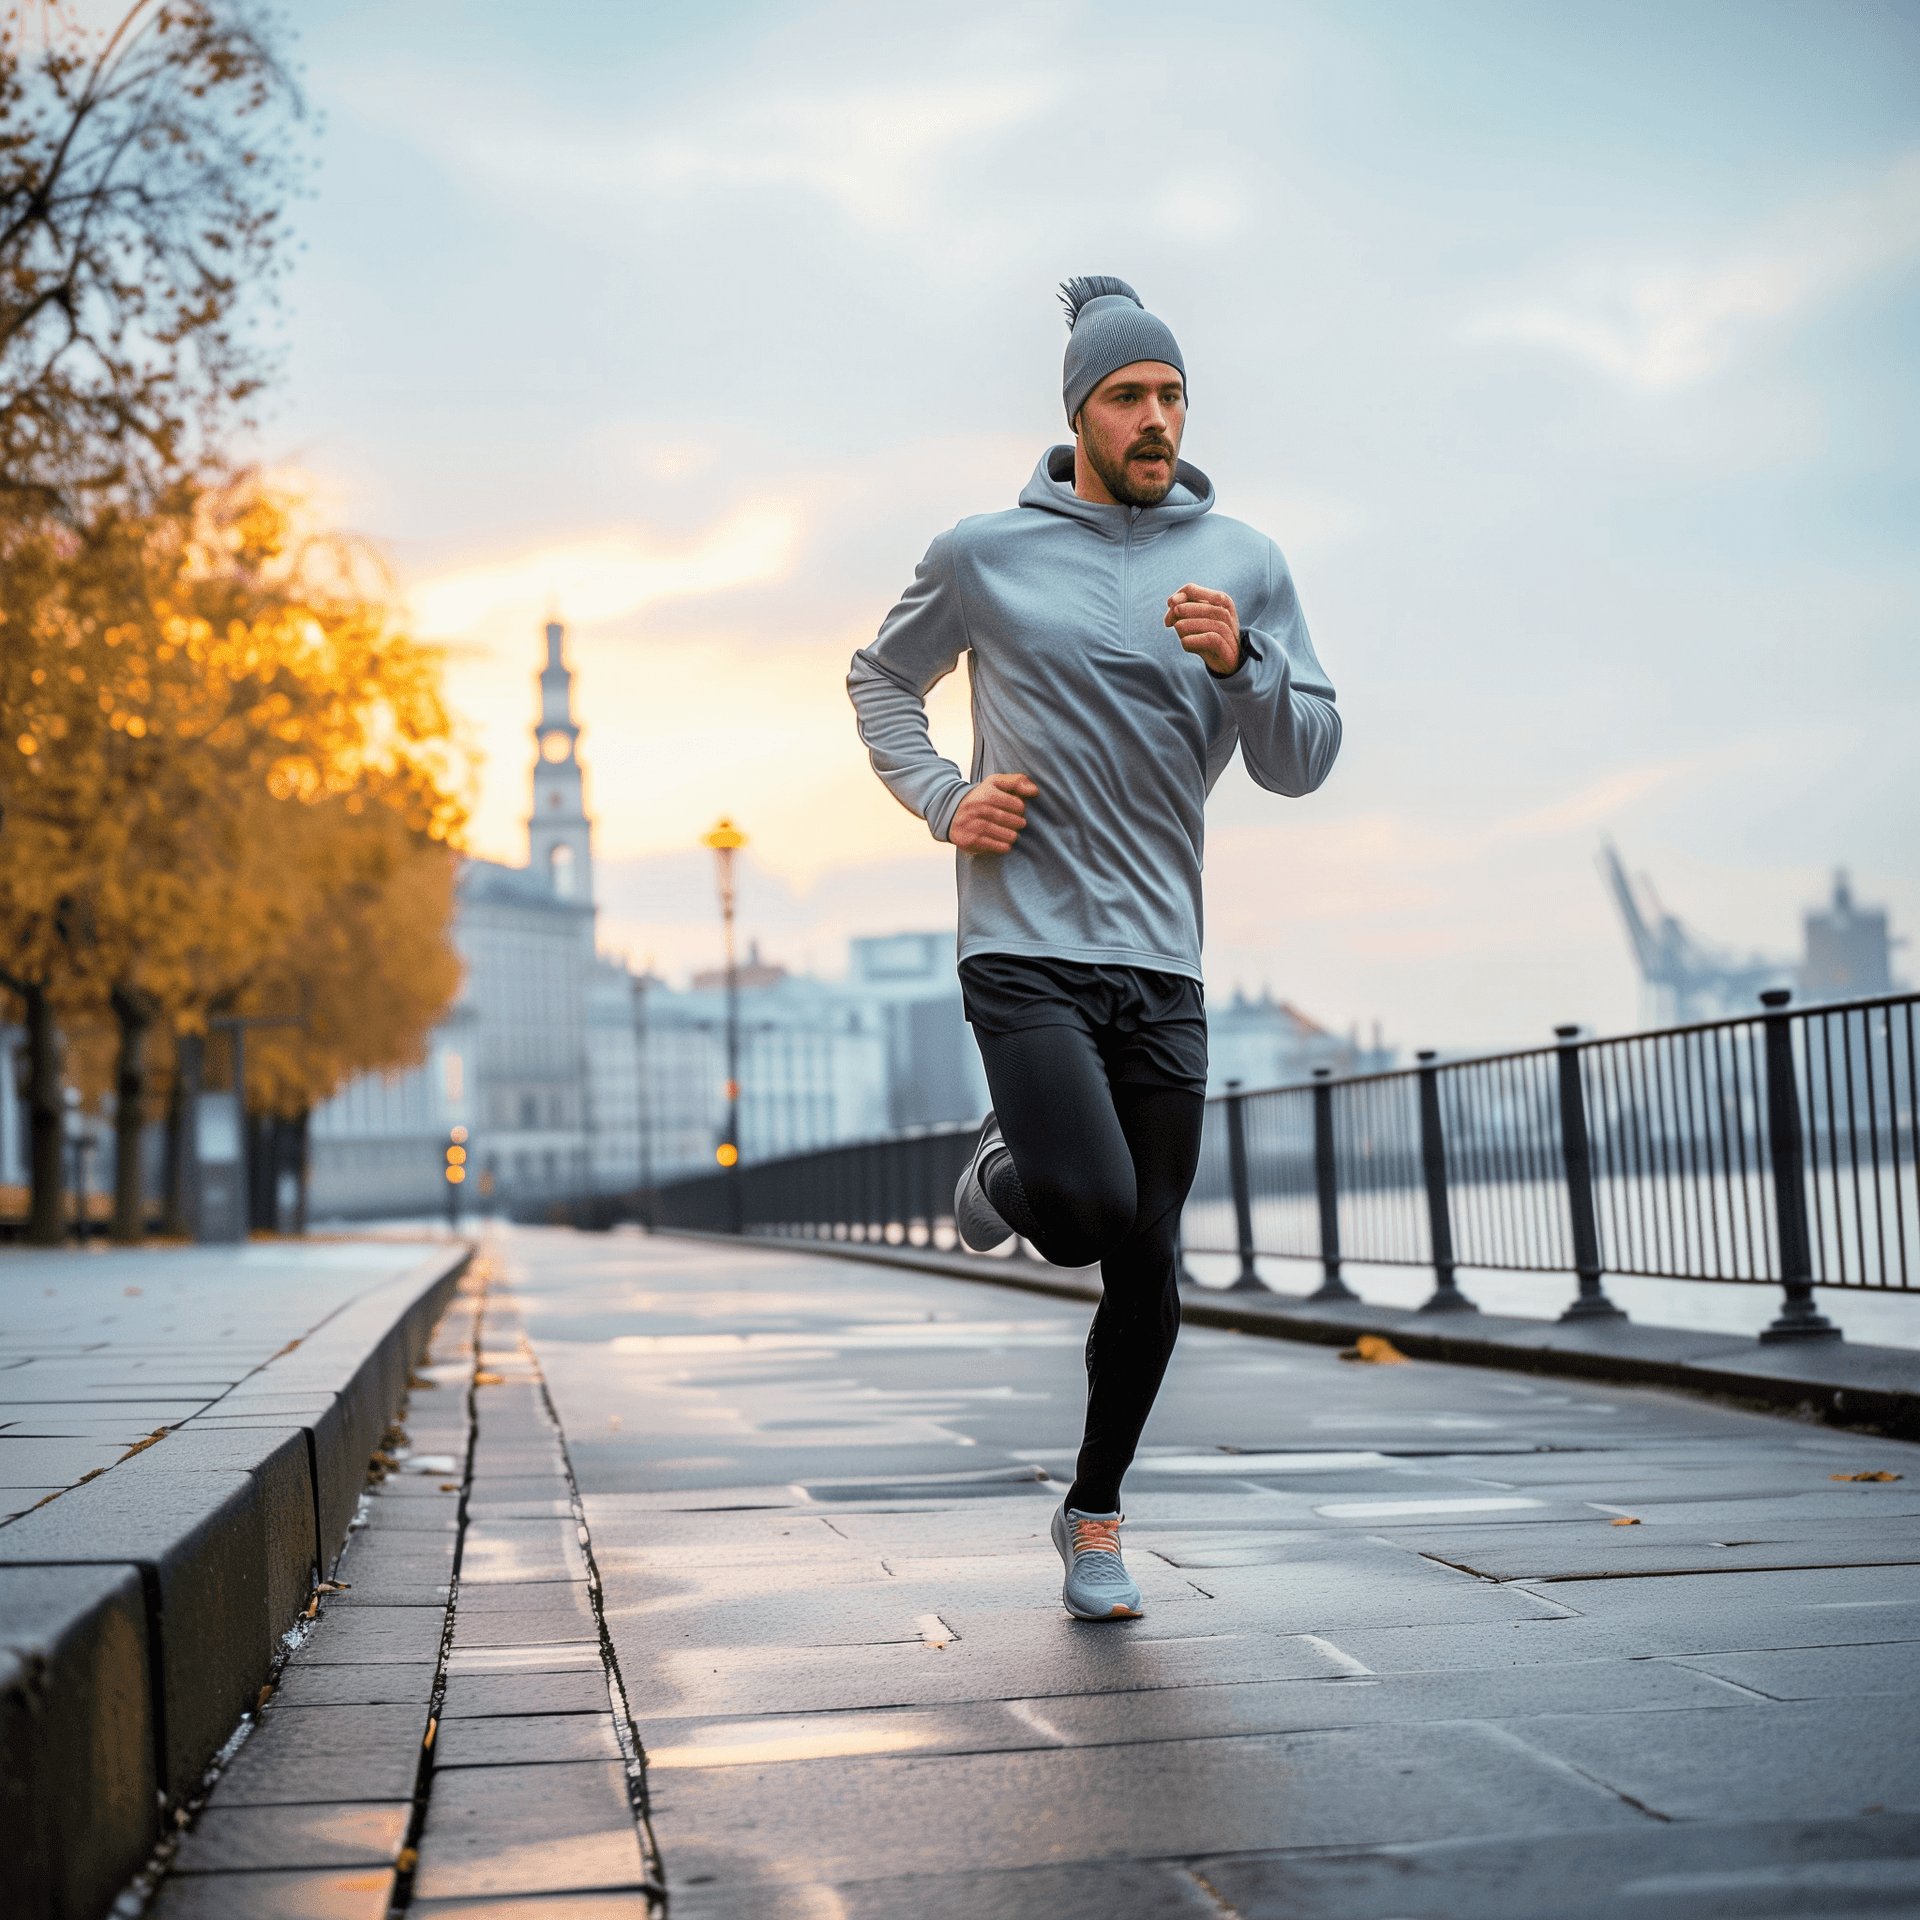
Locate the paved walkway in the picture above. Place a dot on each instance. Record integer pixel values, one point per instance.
(107, 1349)
(1399, 1657)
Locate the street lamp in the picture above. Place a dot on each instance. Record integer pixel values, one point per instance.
(726, 840)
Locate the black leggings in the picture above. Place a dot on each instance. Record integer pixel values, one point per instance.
(1098, 1172)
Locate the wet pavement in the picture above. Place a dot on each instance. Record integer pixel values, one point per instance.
(1398, 1656)
(767, 1627)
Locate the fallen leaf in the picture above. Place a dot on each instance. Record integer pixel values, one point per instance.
(313, 1608)
(266, 1694)
(140, 1446)
(489, 1379)
(334, 1586)
(1626, 1520)
(405, 1859)
(449, 1486)
(432, 1726)
(1881, 1475)
(1376, 1349)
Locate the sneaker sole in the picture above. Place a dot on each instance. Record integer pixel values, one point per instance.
(981, 1230)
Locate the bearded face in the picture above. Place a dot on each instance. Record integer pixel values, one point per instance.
(1129, 432)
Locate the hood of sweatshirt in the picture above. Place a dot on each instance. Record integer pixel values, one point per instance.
(1051, 491)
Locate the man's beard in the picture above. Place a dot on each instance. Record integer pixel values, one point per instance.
(1119, 482)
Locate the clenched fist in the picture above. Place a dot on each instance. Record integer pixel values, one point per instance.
(1208, 624)
(990, 817)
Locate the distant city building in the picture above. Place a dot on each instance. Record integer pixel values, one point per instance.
(1268, 1043)
(1849, 953)
(820, 1062)
(513, 1062)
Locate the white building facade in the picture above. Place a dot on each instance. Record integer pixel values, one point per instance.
(512, 1066)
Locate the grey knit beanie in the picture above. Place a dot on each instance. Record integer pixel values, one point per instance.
(1109, 328)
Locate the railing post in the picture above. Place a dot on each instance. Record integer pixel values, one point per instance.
(1446, 1297)
(1576, 1152)
(1249, 1279)
(1327, 1184)
(1799, 1318)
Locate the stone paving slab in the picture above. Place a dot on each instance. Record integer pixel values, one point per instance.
(549, 1906)
(352, 1893)
(236, 1839)
(529, 1829)
(377, 1684)
(326, 1753)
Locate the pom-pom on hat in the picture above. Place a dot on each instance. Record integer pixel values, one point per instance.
(1108, 328)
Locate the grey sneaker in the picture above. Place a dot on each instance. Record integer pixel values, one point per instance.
(979, 1227)
(1098, 1585)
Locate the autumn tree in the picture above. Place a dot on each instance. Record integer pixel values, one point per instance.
(143, 175)
(214, 736)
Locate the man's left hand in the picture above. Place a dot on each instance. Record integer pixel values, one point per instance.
(1208, 624)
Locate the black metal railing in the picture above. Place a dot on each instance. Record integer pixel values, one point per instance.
(1776, 1148)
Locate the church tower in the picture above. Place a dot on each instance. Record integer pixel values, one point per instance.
(559, 835)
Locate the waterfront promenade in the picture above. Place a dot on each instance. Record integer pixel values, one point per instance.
(1421, 1640)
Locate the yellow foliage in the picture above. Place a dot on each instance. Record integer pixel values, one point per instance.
(229, 781)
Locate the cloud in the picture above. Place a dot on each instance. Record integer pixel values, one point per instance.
(865, 144)
(606, 577)
(1663, 324)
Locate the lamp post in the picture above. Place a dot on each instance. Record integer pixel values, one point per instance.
(726, 840)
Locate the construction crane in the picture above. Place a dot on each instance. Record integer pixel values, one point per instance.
(1686, 979)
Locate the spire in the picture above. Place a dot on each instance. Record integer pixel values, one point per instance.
(559, 834)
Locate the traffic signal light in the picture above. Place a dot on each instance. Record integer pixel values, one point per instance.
(457, 1156)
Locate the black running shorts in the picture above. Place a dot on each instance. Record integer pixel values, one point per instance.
(1150, 1028)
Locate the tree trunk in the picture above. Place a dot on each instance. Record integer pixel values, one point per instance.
(46, 1118)
(134, 1009)
(181, 1215)
(299, 1127)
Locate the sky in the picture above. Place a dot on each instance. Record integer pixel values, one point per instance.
(1566, 351)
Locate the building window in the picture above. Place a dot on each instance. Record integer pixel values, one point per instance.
(557, 1108)
(560, 866)
(456, 1078)
(528, 1115)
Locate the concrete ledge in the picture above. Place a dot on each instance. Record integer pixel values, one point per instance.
(76, 1738)
(1873, 1388)
(203, 1548)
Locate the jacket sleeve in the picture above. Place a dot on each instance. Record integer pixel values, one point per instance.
(1281, 700)
(917, 646)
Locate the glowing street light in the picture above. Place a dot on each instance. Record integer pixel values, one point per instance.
(726, 840)
(456, 1171)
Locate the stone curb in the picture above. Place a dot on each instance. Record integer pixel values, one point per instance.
(1844, 1384)
(139, 1612)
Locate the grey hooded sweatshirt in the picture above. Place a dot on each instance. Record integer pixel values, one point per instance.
(1078, 683)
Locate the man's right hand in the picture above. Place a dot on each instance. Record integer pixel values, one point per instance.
(991, 815)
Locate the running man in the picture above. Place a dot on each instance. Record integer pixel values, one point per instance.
(1123, 639)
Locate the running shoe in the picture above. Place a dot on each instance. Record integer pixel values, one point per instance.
(979, 1227)
(1098, 1585)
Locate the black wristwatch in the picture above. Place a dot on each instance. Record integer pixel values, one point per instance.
(1245, 648)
